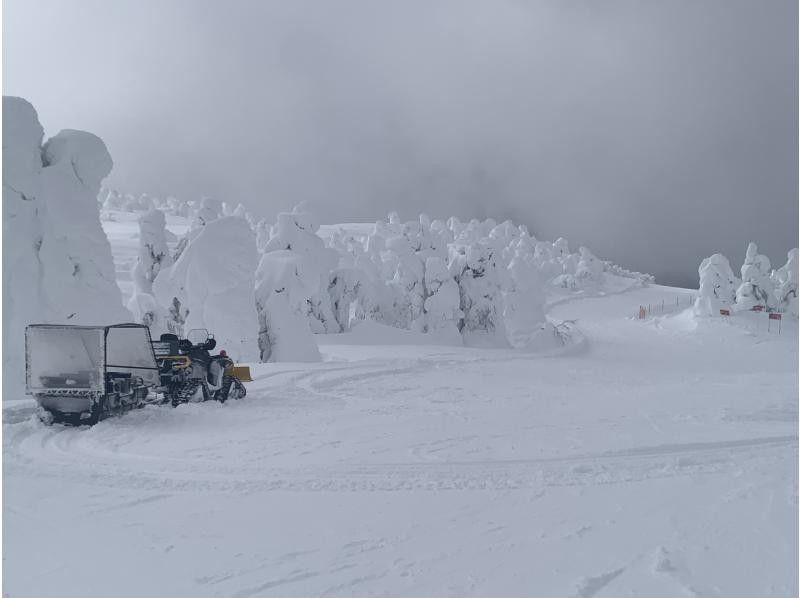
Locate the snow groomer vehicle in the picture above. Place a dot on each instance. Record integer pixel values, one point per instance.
(189, 373)
(82, 374)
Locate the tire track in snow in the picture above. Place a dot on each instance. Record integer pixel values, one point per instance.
(611, 467)
(107, 454)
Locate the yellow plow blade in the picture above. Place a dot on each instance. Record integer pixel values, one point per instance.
(242, 372)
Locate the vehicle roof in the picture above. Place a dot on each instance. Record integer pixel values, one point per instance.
(84, 327)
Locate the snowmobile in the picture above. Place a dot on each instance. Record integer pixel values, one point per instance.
(189, 373)
(82, 374)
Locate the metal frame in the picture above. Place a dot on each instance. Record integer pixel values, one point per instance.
(131, 367)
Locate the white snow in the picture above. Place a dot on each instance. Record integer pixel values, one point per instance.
(653, 459)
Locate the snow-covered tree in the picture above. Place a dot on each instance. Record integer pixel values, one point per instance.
(56, 257)
(756, 287)
(442, 302)
(79, 274)
(212, 286)
(408, 281)
(589, 268)
(147, 311)
(283, 333)
(561, 247)
(154, 254)
(177, 315)
(296, 231)
(345, 289)
(480, 279)
(262, 235)
(209, 211)
(22, 237)
(717, 286)
(524, 302)
(785, 280)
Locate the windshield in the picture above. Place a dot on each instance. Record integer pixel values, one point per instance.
(129, 350)
(64, 358)
(197, 336)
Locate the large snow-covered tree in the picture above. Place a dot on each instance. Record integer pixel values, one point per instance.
(79, 275)
(154, 255)
(284, 334)
(524, 301)
(717, 286)
(442, 301)
(756, 287)
(296, 231)
(208, 211)
(56, 257)
(214, 279)
(480, 279)
(785, 281)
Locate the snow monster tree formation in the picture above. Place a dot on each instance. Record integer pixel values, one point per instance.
(57, 259)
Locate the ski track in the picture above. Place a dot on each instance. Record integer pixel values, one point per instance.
(419, 427)
(59, 448)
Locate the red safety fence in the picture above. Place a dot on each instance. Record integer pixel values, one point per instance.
(663, 307)
(683, 301)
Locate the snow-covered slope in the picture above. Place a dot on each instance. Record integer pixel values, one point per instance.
(657, 458)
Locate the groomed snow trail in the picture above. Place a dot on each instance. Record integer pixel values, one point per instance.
(655, 459)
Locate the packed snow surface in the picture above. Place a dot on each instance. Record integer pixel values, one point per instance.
(653, 458)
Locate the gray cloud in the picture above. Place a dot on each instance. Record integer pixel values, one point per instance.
(655, 133)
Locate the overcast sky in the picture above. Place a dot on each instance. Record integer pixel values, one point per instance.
(653, 132)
